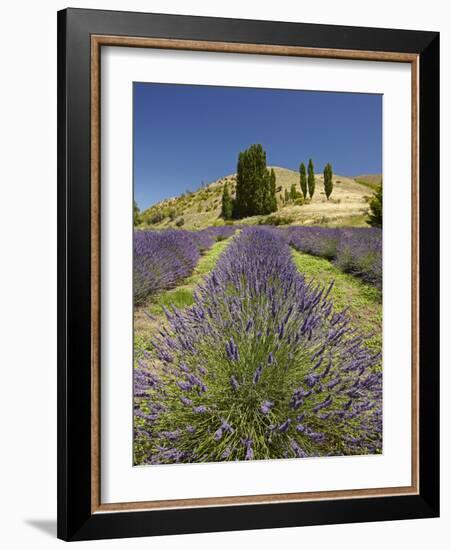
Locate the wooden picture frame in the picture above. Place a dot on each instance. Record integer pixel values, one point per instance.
(81, 35)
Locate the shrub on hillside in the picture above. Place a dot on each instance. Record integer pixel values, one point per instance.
(275, 220)
(375, 216)
(300, 201)
(156, 217)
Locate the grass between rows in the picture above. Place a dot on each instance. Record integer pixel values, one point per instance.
(364, 301)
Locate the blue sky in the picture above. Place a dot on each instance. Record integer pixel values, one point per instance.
(185, 135)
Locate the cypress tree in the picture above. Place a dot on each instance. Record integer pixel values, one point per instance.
(252, 183)
(287, 196)
(303, 180)
(273, 198)
(311, 179)
(328, 184)
(293, 192)
(227, 204)
(265, 206)
(241, 202)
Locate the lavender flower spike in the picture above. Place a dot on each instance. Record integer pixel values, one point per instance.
(266, 406)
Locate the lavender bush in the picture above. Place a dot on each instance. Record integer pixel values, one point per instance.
(164, 258)
(318, 241)
(205, 238)
(360, 252)
(261, 366)
(161, 259)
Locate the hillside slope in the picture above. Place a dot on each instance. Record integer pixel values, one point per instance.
(348, 204)
(370, 180)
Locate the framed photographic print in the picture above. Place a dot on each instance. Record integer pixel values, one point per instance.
(248, 274)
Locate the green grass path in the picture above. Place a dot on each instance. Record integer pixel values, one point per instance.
(363, 300)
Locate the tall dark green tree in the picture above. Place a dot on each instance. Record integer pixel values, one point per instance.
(255, 193)
(375, 214)
(287, 196)
(272, 192)
(303, 174)
(268, 193)
(311, 178)
(227, 203)
(293, 192)
(328, 184)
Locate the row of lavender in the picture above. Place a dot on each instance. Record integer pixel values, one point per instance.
(163, 258)
(354, 250)
(261, 366)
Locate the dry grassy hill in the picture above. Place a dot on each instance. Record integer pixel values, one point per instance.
(370, 180)
(348, 204)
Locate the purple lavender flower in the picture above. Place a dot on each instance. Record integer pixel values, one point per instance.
(232, 350)
(323, 404)
(171, 435)
(300, 453)
(247, 442)
(234, 383)
(226, 453)
(333, 383)
(226, 426)
(184, 385)
(311, 380)
(185, 400)
(257, 374)
(285, 425)
(266, 406)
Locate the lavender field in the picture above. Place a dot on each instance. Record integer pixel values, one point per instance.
(163, 258)
(257, 343)
(357, 251)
